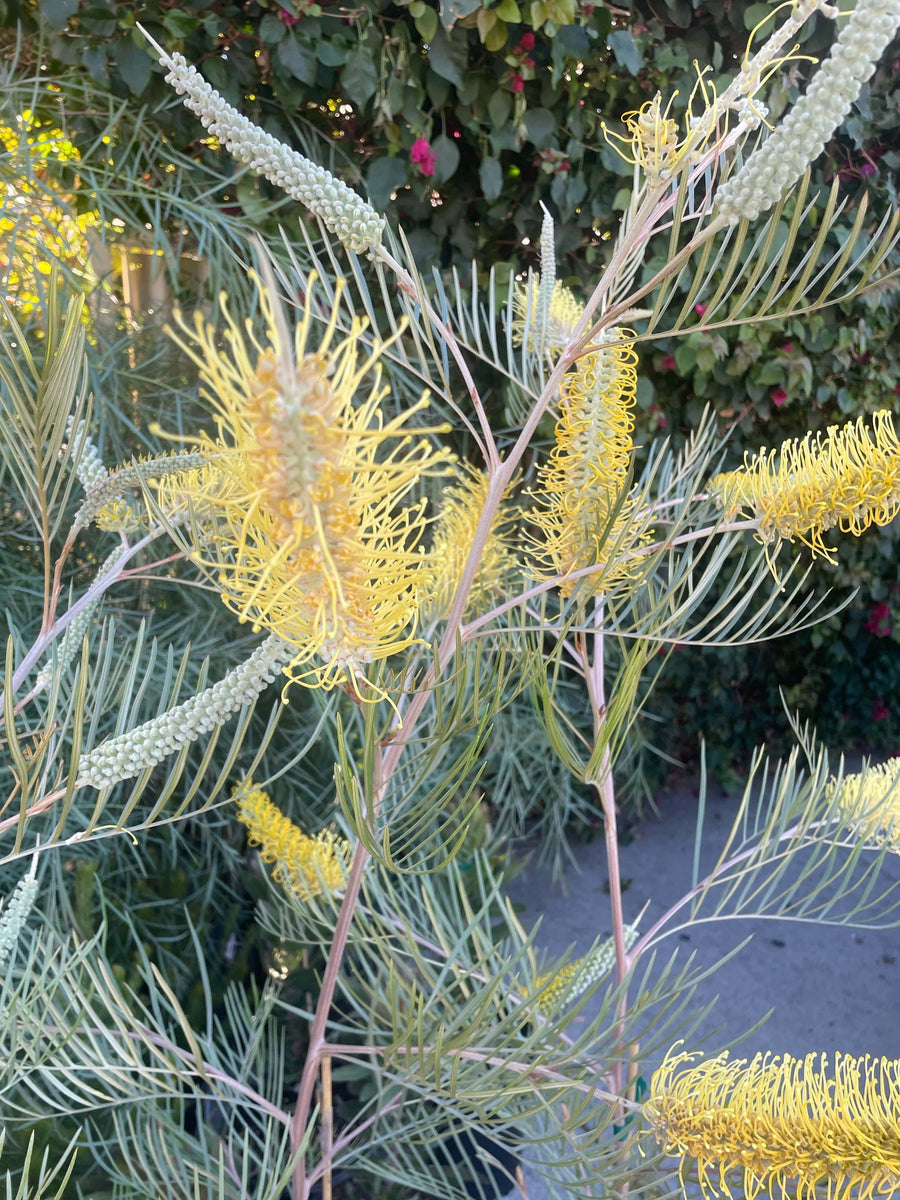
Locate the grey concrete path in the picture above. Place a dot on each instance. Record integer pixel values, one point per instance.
(831, 988)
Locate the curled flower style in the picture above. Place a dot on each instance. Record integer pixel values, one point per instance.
(869, 802)
(308, 866)
(563, 314)
(768, 174)
(302, 527)
(782, 1122)
(654, 141)
(454, 534)
(565, 986)
(580, 510)
(849, 479)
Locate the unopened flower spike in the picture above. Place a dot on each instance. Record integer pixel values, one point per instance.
(104, 497)
(307, 866)
(783, 1123)
(338, 207)
(73, 634)
(89, 466)
(548, 280)
(304, 529)
(576, 977)
(127, 755)
(775, 167)
(848, 479)
(16, 911)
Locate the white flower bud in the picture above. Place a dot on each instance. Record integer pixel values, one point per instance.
(15, 914)
(128, 754)
(766, 176)
(338, 207)
(89, 467)
(74, 632)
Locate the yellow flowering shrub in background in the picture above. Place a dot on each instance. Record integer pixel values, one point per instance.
(39, 227)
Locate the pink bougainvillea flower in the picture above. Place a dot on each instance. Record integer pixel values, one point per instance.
(527, 42)
(668, 362)
(700, 309)
(517, 83)
(880, 712)
(288, 18)
(420, 154)
(879, 620)
(778, 397)
(787, 348)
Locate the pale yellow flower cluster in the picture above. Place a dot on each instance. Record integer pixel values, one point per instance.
(462, 504)
(571, 981)
(564, 313)
(849, 479)
(870, 803)
(783, 1123)
(308, 866)
(304, 529)
(581, 513)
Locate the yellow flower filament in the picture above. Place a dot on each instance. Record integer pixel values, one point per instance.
(454, 534)
(869, 802)
(565, 313)
(309, 866)
(782, 1122)
(848, 479)
(581, 485)
(304, 532)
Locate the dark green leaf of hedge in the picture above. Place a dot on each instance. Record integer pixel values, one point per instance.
(446, 157)
(57, 12)
(95, 60)
(299, 60)
(499, 107)
(179, 24)
(383, 177)
(449, 56)
(331, 53)
(427, 24)
(454, 10)
(134, 65)
(625, 50)
(272, 30)
(756, 13)
(358, 78)
(491, 178)
(541, 126)
(574, 40)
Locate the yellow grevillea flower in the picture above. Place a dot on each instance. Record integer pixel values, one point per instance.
(309, 866)
(454, 532)
(654, 142)
(849, 479)
(870, 803)
(782, 1122)
(582, 483)
(303, 528)
(564, 314)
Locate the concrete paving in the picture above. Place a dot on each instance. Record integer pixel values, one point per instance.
(829, 987)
